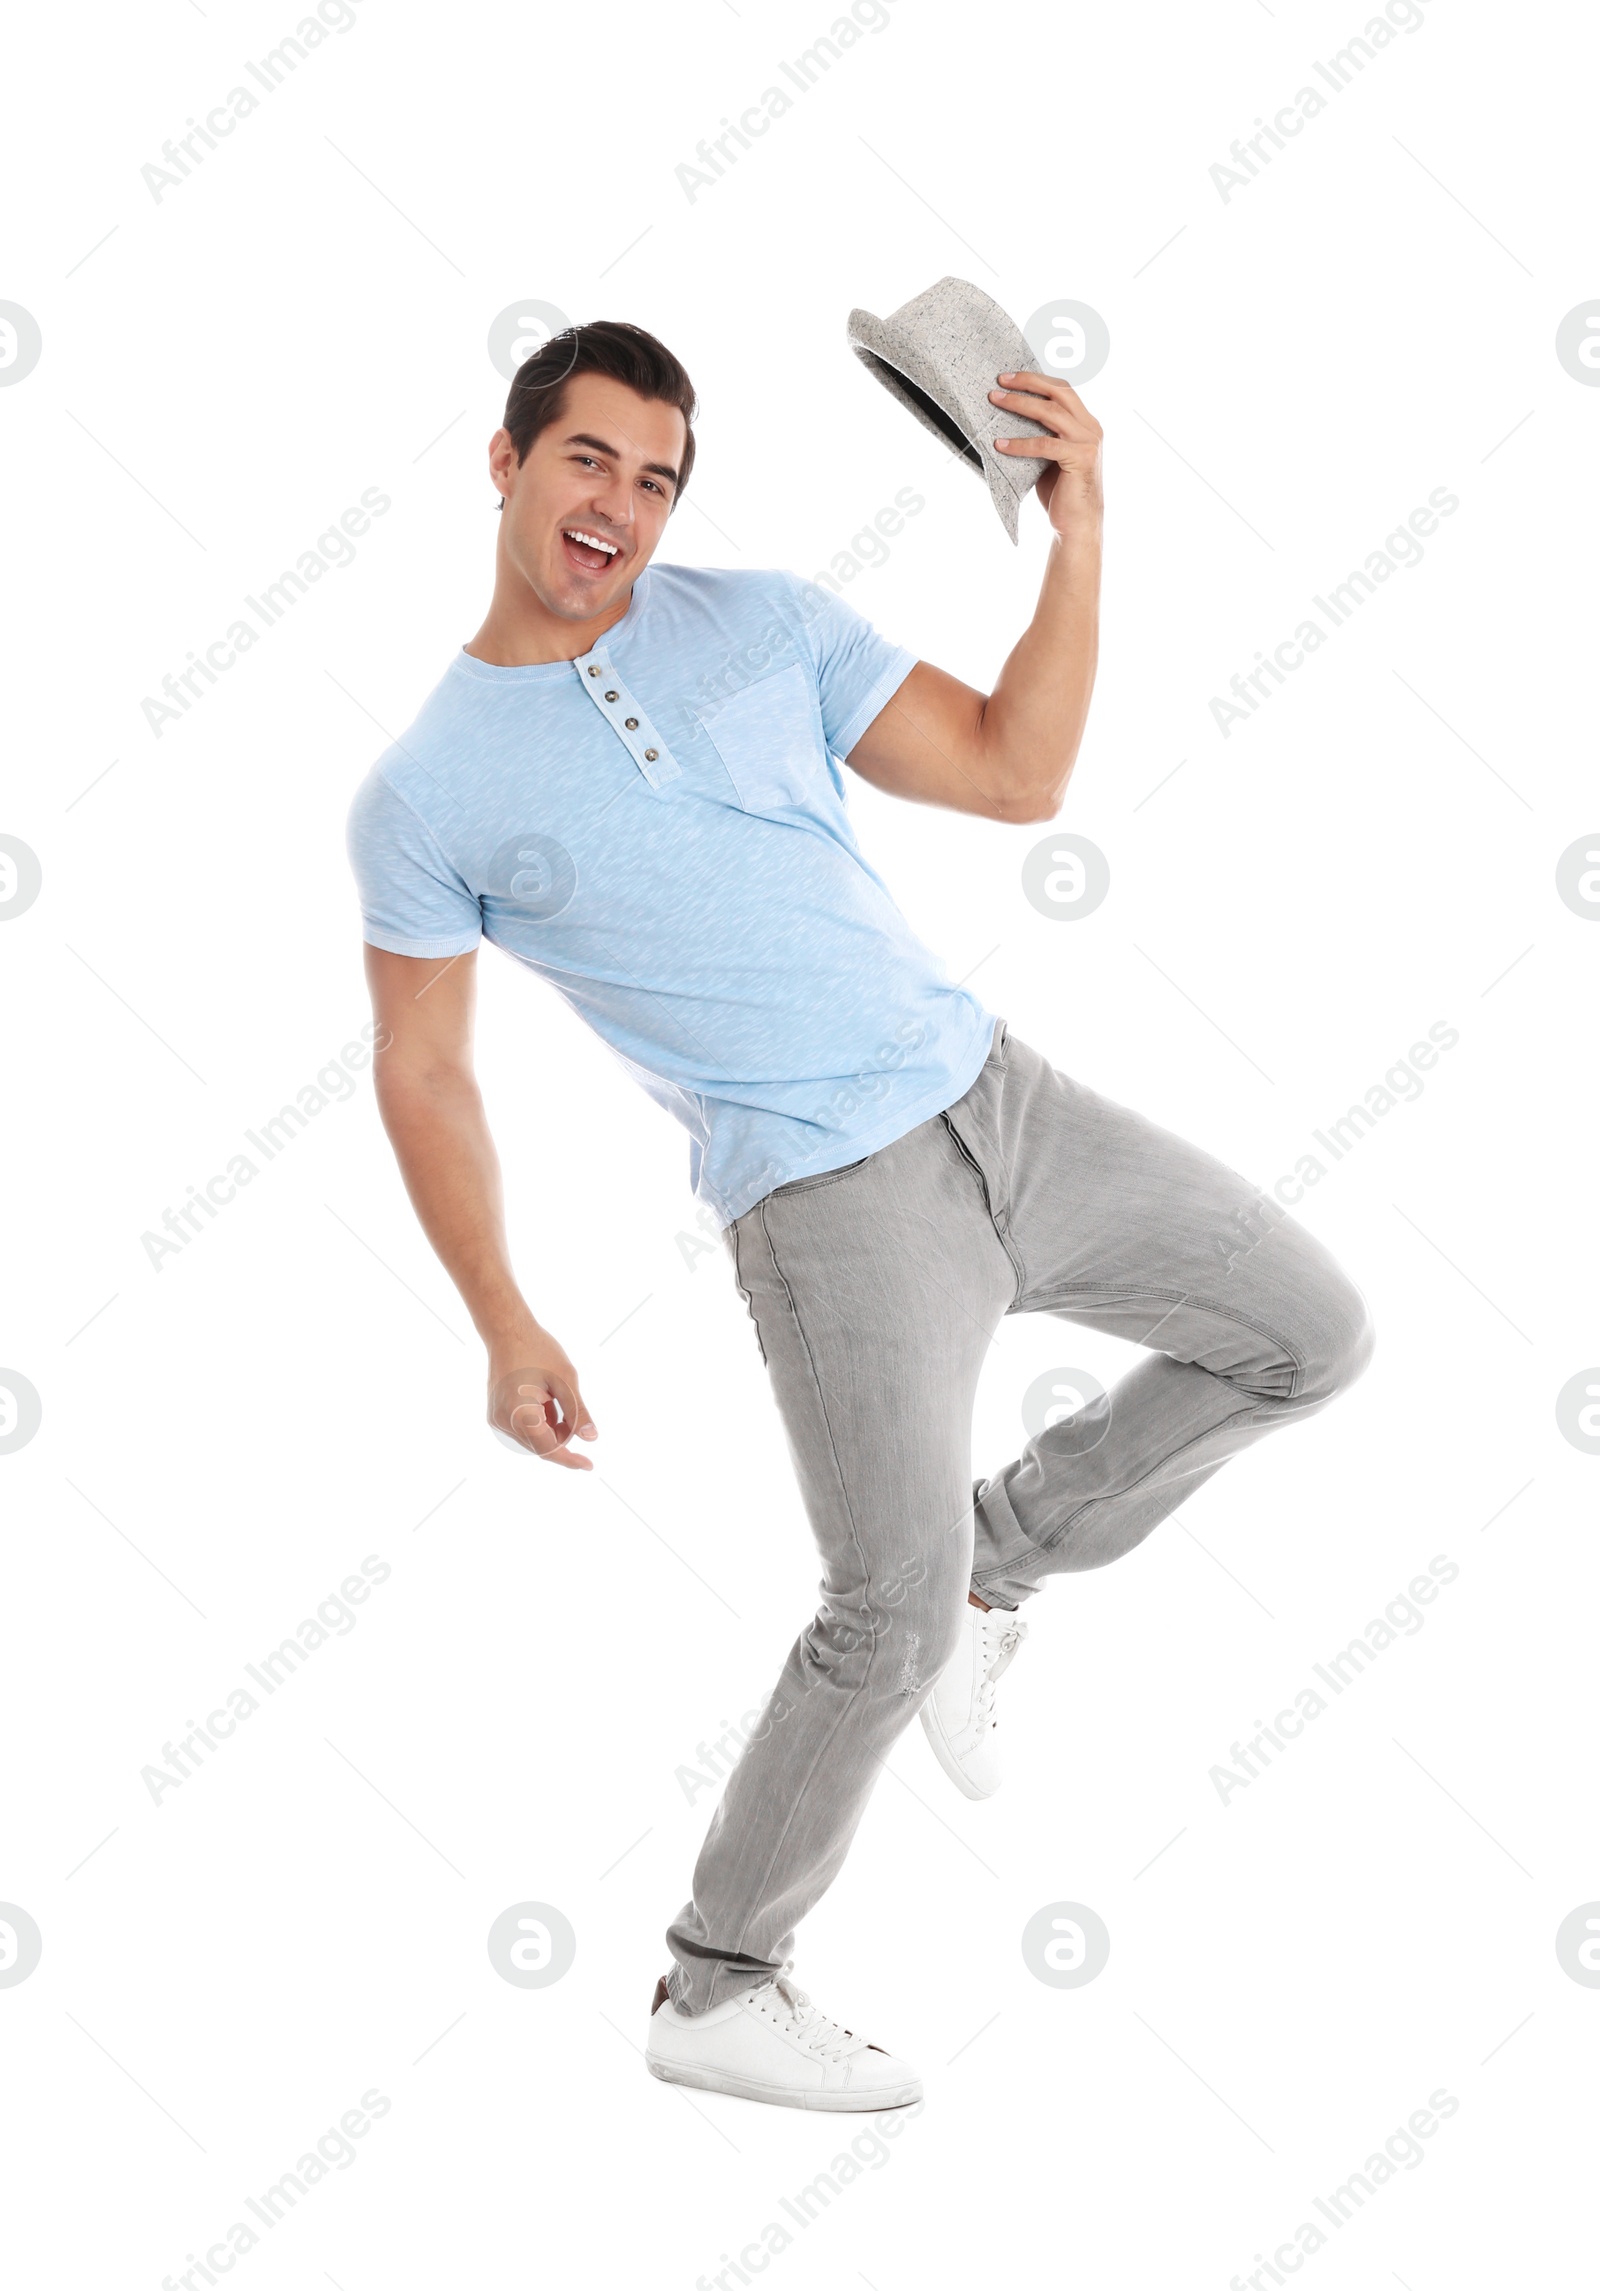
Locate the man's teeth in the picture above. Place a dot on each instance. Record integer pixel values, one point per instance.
(573, 534)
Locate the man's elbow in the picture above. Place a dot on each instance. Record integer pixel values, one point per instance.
(420, 1085)
(1040, 802)
(1024, 791)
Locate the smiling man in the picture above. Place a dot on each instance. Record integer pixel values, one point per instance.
(631, 780)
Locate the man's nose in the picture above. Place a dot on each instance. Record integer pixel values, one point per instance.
(613, 500)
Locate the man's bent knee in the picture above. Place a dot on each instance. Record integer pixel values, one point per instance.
(1344, 1341)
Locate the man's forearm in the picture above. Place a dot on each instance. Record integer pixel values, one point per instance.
(1033, 720)
(441, 1140)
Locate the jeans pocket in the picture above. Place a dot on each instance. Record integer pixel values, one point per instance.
(823, 1177)
(731, 1235)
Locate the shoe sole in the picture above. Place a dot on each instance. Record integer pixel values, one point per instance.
(780, 2096)
(947, 1757)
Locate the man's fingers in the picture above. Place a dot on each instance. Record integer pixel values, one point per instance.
(1050, 449)
(529, 1412)
(548, 1442)
(1060, 421)
(573, 1410)
(1047, 386)
(575, 1416)
(1065, 417)
(564, 1456)
(541, 1413)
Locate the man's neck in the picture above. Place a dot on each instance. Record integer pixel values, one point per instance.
(523, 634)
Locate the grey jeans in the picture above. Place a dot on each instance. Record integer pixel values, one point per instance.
(875, 1291)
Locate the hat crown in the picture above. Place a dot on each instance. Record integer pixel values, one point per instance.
(945, 295)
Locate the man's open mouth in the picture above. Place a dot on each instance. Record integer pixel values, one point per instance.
(592, 552)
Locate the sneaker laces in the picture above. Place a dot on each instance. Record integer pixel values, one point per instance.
(812, 2028)
(1001, 1633)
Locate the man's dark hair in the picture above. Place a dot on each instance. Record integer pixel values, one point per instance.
(601, 346)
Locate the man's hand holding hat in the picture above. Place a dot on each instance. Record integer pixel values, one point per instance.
(1070, 488)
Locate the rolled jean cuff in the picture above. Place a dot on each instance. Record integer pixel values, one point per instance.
(1001, 1552)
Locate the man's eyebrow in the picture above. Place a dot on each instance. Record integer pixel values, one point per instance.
(656, 468)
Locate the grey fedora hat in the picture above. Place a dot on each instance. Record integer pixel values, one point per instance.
(939, 354)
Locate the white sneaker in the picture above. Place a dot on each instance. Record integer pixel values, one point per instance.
(958, 1716)
(771, 2043)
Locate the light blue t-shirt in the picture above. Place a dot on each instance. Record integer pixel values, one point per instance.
(659, 829)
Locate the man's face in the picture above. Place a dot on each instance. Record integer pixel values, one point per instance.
(583, 514)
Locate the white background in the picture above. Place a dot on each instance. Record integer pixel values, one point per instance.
(1292, 371)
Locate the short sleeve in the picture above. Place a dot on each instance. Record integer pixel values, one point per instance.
(858, 671)
(412, 900)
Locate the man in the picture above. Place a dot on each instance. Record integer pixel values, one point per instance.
(629, 780)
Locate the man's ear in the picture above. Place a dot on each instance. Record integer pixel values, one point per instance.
(501, 452)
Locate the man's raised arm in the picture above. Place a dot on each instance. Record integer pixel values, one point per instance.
(1009, 756)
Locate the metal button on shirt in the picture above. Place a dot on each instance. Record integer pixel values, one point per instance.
(598, 677)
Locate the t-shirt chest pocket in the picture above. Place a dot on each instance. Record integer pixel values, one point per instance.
(769, 739)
